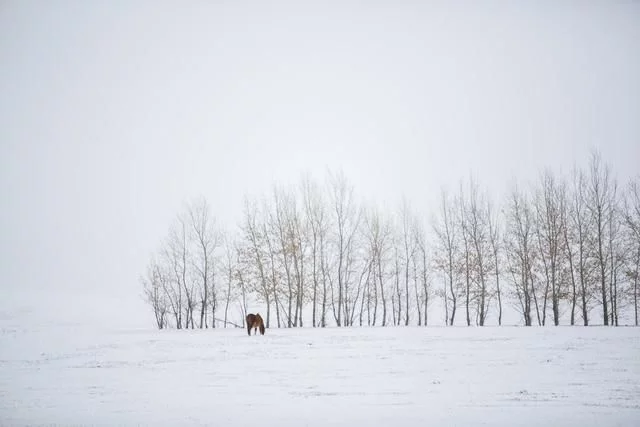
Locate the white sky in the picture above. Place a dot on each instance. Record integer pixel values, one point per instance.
(114, 113)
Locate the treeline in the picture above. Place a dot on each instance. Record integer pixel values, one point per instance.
(313, 255)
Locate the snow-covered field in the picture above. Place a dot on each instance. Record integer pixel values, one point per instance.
(509, 376)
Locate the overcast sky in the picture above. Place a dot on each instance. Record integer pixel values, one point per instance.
(112, 114)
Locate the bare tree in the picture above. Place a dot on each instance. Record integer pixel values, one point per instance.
(409, 248)
(478, 230)
(234, 288)
(325, 275)
(570, 257)
(278, 221)
(396, 296)
(447, 233)
(315, 216)
(365, 254)
(580, 237)
(275, 276)
(378, 238)
(633, 274)
(550, 229)
(600, 209)
(155, 285)
(347, 219)
(631, 216)
(421, 274)
(205, 239)
(179, 256)
(519, 249)
(617, 256)
(254, 255)
(299, 243)
(243, 288)
(172, 287)
(362, 265)
(466, 252)
(495, 238)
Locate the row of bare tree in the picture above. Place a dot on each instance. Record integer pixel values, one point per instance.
(314, 255)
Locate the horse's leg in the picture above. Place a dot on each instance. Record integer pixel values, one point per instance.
(248, 329)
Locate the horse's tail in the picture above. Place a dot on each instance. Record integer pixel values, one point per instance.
(261, 323)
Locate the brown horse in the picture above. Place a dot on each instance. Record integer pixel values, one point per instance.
(255, 321)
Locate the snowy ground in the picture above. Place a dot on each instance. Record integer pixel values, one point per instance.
(509, 376)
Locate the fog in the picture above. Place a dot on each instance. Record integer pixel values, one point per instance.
(114, 114)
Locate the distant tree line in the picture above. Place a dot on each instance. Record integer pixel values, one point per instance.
(313, 255)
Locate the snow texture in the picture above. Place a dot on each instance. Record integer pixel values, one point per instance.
(509, 376)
